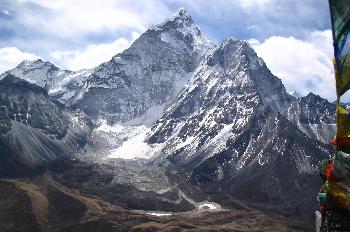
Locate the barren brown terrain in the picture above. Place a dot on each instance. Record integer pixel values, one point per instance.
(43, 204)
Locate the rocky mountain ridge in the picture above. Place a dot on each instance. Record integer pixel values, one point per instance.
(229, 135)
(150, 73)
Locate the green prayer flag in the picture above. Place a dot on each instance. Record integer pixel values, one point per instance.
(340, 14)
(340, 11)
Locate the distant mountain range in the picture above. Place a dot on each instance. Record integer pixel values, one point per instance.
(210, 119)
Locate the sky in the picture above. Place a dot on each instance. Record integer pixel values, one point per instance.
(293, 37)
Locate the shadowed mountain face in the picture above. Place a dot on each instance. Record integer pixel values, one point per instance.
(29, 104)
(219, 126)
(33, 128)
(314, 116)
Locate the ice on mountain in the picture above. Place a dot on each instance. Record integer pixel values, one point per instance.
(59, 83)
(149, 117)
(116, 128)
(134, 148)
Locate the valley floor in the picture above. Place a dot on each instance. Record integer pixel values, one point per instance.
(47, 205)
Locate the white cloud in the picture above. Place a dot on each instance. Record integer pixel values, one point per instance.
(253, 4)
(303, 65)
(92, 55)
(78, 18)
(10, 57)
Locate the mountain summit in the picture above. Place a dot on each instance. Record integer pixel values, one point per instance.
(60, 84)
(182, 22)
(150, 73)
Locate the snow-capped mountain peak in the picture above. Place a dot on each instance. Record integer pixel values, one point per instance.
(61, 84)
(179, 19)
(233, 52)
(181, 14)
(38, 63)
(150, 73)
(182, 23)
(39, 72)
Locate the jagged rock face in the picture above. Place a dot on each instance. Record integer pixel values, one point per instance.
(272, 155)
(270, 88)
(28, 104)
(33, 128)
(224, 131)
(63, 85)
(221, 105)
(39, 72)
(149, 73)
(314, 116)
(272, 164)
(221, 96)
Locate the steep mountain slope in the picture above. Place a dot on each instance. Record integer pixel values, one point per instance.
(311, 114)
(33, 128)
(148, 74)
(226, 134)
(314, 116)
(60, 84)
